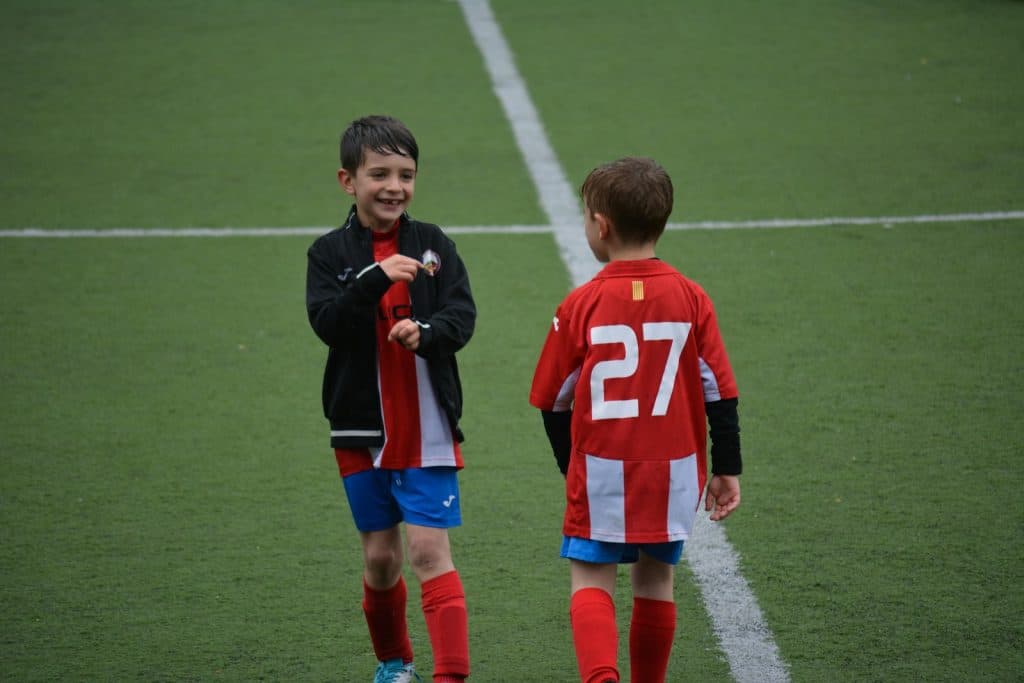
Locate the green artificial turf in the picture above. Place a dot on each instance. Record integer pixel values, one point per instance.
(169, 506)
(810, 109)
(880, 376)
(185, 113)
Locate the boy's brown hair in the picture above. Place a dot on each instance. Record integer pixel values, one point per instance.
(382, 134)
(634, 193)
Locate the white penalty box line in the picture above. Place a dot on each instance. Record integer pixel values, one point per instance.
(886, 221)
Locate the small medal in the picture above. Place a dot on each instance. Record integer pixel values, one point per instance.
(431, 262)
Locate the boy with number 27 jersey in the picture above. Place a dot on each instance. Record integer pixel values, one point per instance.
(642, 342)
(630, 378)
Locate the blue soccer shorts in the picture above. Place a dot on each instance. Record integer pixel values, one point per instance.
(606, 552)
(425, 496)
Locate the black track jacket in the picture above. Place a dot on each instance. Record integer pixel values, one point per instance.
(343, 289)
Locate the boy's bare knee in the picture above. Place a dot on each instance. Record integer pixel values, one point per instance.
(383, 567)
(424, 554)
(652, 579)
(382, 557)
(429, 556)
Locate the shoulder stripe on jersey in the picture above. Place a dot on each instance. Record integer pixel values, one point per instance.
(707, 377)
(563, 401)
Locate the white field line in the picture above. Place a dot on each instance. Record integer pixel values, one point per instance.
(738, 622)
(244, 232)
(557, 198)
(982, 217)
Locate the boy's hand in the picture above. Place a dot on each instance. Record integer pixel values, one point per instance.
(400, 268)
(723, 496)
(406, 333)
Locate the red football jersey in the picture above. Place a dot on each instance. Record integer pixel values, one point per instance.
(634, 353)
(416, 430)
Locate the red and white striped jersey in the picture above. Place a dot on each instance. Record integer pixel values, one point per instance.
(416, 431)
(634, 353)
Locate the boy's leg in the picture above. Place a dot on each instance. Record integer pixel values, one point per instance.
(592, 615)
(429, 500)
(382, 557)
(653, 624)
(385, 594)
(377, 517)
(444, 601)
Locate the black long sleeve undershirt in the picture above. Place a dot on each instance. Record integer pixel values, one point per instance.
(724, 428)
(723, 423)
(558, 428)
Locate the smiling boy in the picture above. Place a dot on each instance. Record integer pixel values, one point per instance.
(390, 297)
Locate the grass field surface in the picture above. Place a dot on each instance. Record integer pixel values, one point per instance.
(169, 506)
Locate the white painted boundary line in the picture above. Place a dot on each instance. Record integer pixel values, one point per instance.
(161, 232)
(69, 233)
(746, 640)
(983, 217)
(852, 220)
(245, 232)
(557, 198)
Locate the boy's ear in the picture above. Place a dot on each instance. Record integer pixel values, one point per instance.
(604, 226)
(345, 179)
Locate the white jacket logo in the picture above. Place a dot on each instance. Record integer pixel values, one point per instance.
(431, 262)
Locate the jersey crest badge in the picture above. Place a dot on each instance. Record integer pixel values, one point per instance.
(431, 262)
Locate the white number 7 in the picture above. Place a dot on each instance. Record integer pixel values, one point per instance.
(602, 409)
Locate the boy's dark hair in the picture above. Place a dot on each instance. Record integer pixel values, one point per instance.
(382, 134)
(634, 193)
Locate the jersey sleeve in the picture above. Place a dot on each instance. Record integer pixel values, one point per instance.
(558, 368)
(715, 371)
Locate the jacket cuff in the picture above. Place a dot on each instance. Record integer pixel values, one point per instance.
(426, 338)
(372, 282)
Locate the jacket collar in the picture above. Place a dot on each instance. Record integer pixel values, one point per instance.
(352, 220)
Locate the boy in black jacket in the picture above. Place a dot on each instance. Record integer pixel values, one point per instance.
(390, 297)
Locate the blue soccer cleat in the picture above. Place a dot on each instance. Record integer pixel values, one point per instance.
(396, 671)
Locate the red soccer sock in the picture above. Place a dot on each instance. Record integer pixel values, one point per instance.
(444, 609)
(650, 639)
(595, 635)
(385, 615)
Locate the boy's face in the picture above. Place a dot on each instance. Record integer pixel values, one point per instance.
(383, 186)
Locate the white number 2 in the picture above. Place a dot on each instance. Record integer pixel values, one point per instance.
(602, 409)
